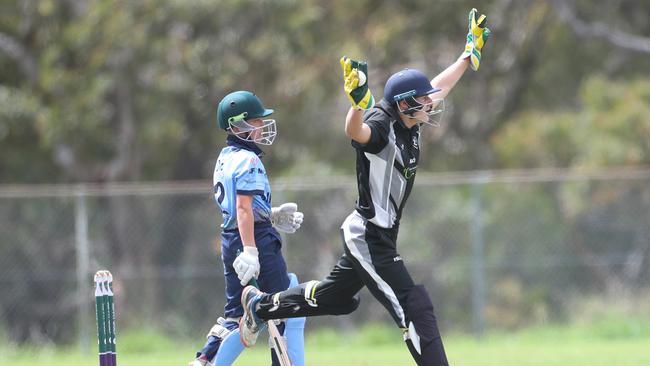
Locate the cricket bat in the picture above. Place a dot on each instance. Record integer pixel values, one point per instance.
(278, 343)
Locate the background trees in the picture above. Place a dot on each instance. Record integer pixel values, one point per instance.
(119, 91)
(108, 91)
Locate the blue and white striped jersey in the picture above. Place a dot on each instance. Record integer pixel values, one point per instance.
(239, 170)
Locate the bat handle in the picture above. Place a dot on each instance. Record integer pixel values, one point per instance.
(253, 281)
(279, 344)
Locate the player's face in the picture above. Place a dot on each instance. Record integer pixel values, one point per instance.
(427, 106)
(428, 110)
(256, 133)
(258, 130)
(425, 99)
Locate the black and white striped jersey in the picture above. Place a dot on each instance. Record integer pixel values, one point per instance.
(386, 165)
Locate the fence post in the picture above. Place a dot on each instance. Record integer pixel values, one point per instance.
(83, 269)
(478, 259)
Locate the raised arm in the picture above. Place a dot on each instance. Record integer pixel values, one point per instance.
(447, 79)
(476, 37)
(356, 88)
(355, 128)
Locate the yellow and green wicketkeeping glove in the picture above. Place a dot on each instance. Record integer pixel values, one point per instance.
(355, 76)
(476, 38)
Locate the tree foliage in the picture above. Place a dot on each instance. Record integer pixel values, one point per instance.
(118, 90)
(112, 90)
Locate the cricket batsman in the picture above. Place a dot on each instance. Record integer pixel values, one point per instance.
(250, 242)
(386, 137)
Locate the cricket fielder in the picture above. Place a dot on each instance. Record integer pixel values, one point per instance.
(250, 242)
(387, 142)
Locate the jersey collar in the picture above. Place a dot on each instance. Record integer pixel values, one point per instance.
(235, 141)
(388, 108)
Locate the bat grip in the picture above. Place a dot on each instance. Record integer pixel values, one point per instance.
(253, 281)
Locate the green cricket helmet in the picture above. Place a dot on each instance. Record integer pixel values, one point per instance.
(237, 109)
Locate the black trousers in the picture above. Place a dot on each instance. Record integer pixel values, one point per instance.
(370, 259)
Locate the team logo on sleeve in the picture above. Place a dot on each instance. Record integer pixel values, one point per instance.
(255, 166)
(253, 161)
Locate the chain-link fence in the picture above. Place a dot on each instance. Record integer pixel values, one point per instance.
(496, 250)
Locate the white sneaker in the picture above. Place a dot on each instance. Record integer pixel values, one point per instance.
(249, 324)
(200, 362)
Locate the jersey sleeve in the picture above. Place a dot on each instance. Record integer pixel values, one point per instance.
(250, 179)
(378, 136)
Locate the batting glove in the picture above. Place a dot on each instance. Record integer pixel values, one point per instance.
(477, 36)
(355, 77)
(286, 218)
(247, 265)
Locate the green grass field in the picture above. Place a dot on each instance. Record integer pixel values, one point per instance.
(608, 343)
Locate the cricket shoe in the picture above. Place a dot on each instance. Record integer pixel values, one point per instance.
(200, 362)
(250, 324)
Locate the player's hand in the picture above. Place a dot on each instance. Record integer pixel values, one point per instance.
(247, 265)
(477, 36)
(286, 218)
(355, 77)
